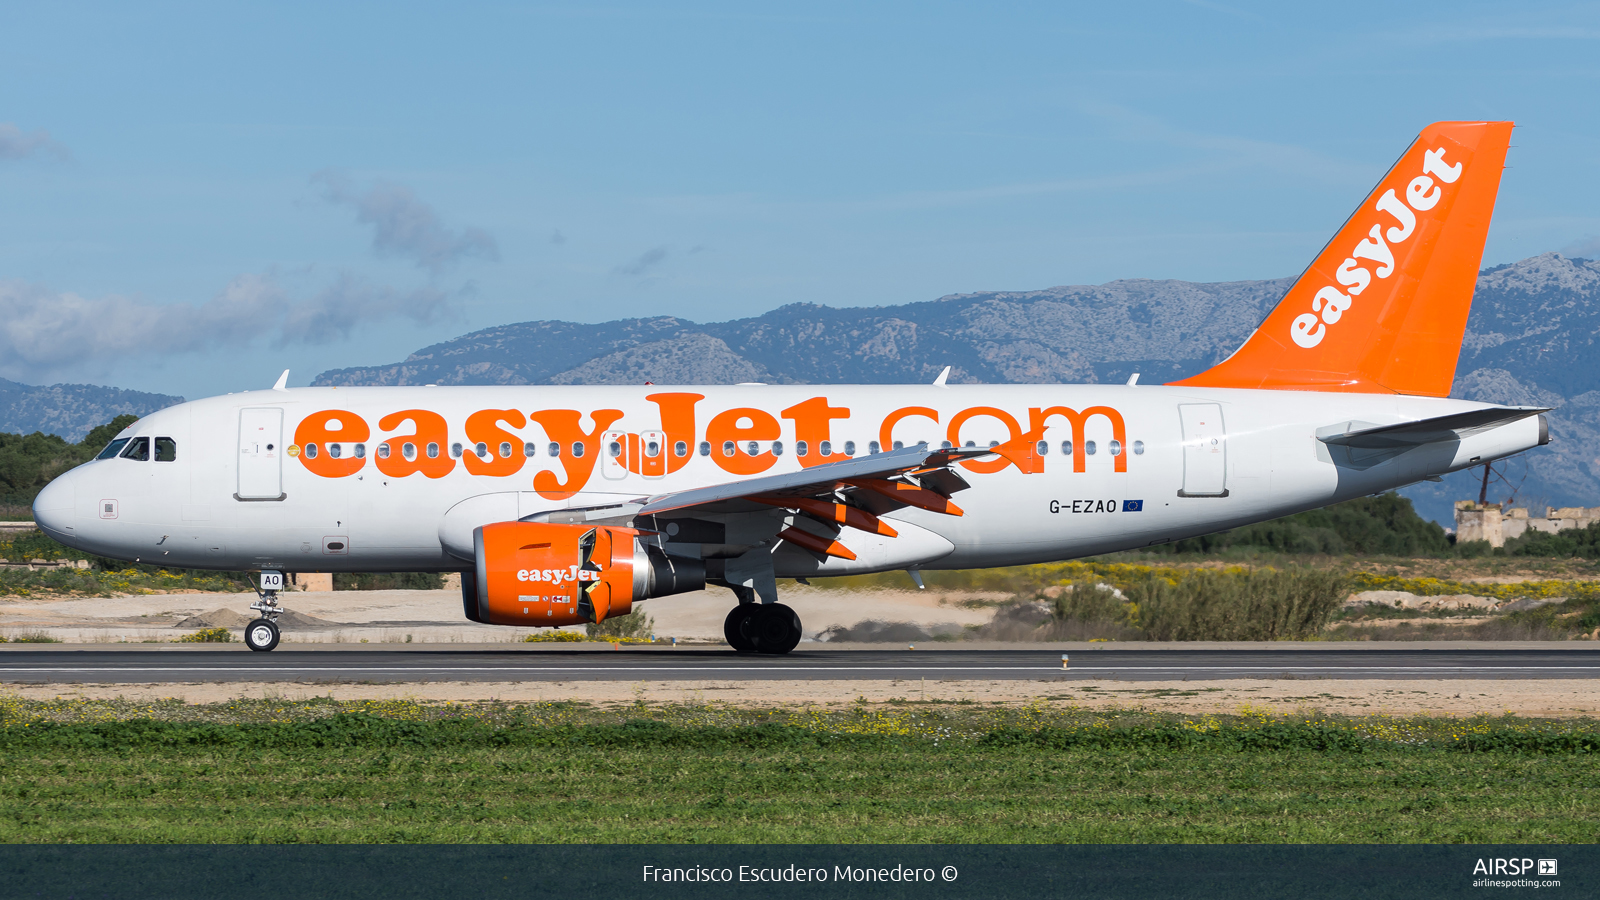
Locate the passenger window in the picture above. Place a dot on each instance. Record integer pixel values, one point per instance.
(481, 449)
(616, 449)
(777, 448)
(849, 448)
(801, 448)
(680, 449)
(138, 450)
(652, 449)
(1088, 447)
(530, 450)
(872, 446)
(311, 451)
(753, 448)
(1066, 448)
(1043, 449)
(383, 450)
(1115, 447)
(113, 448)
(409, 450)
(1138, 448)
(335, 451)
(727, 448)
(705, 448)
(167, 449)
(577, 449)
(825, 448)
(361, 451)
(505, 449)
(433, 451)
(455, 450)
(555, 449)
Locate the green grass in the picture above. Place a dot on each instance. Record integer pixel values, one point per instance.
(324, 771)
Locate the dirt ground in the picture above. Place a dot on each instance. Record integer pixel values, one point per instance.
(1357, 697)
(436, 617)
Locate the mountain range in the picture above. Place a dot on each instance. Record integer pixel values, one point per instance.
(71, 410)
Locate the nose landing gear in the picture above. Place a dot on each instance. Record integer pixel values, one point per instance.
(762, 628)
(262, 634)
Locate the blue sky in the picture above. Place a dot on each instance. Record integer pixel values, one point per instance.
(197, 196)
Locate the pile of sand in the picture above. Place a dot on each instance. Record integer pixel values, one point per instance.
(227, 618)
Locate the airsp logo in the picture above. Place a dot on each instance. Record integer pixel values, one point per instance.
(1512, 867)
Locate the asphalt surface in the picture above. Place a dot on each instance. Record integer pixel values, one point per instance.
(138, 665)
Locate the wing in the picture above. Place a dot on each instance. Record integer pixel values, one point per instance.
(851, 493)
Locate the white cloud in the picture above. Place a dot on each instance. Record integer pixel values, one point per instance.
(15, 144)
(404, 226)
(46, 334)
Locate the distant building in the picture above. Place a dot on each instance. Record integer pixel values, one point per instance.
(1486, 522)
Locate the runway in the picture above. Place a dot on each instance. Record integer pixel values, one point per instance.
(338, 664)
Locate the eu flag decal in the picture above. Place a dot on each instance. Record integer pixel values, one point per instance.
(1133, 506)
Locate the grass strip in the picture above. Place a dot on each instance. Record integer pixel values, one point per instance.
(357, 777)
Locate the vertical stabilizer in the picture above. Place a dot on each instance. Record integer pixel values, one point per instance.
(1384, 306)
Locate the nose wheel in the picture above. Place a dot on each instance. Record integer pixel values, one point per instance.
(262, 634)
(762, 628)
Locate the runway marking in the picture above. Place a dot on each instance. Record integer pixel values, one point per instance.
(290, 669)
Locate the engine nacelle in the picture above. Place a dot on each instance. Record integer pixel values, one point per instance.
(540, 574)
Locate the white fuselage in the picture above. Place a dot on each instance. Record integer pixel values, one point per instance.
(1195, 460)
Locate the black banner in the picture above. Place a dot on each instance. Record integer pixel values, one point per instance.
(640, 872)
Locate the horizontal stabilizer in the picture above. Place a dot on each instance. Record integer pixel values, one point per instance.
(1427, 431)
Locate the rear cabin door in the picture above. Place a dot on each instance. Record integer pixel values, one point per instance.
(260, 454)
(1205, 450)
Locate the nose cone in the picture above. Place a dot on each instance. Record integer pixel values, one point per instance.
(53, 509)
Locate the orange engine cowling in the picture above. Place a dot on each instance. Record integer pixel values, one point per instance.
(541, 574)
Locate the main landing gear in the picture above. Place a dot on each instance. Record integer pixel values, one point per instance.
(762, 628)
(262, 634)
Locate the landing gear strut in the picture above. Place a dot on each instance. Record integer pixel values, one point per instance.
(262, 634)
(762, 628)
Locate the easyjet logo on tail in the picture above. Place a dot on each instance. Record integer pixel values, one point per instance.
(1374, 254)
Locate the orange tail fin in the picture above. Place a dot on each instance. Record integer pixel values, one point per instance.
(1383, 307)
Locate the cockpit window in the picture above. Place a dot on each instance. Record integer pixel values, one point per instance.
(166, 449)
(113, 448)
(138, 449)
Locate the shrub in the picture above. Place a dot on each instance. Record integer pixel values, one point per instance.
(1260, 605)
(208, 636)
(636, 624)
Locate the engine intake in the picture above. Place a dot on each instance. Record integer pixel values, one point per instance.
(543, 574)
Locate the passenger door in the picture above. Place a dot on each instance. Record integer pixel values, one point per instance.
(1205, 450)
(260, 454)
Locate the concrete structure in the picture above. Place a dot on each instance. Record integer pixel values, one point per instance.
(1489, 523)
(311, 581)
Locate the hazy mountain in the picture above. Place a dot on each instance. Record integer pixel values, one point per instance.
(1531, 339)
(70, 410)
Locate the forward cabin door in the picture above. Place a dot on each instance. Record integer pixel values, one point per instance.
(260, 454)
(1205, 450)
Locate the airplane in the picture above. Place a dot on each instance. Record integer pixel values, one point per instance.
(566, 505)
